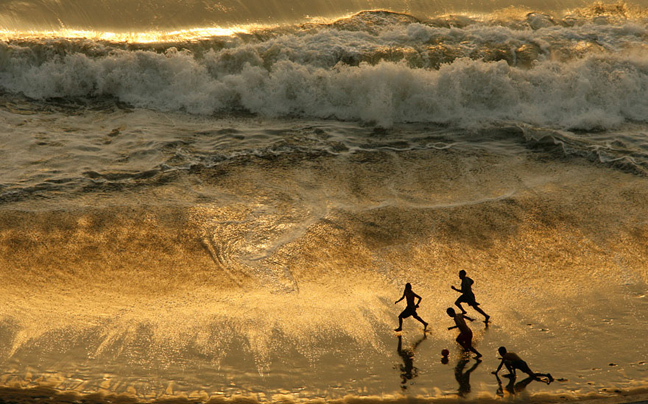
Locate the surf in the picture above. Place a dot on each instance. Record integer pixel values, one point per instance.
(377, 67)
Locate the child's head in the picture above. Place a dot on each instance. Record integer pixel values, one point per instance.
(408, 286)
(462, 274)
(502, 351)
(450, 312)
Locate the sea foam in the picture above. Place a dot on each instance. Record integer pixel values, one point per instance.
(587, 76)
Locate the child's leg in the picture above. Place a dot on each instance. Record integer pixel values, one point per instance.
(400, 323)
(421, 320)
(458, 304)
(479, 310)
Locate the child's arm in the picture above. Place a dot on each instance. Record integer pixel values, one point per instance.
(499, 367)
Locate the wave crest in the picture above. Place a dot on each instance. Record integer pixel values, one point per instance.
(378, 67)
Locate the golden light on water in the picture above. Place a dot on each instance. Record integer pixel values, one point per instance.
(140, 301)
(257, 269)
(192, 34)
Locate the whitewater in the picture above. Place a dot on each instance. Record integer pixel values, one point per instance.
(221, 201)
(383, 68)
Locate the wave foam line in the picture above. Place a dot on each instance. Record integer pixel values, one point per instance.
(596, 92)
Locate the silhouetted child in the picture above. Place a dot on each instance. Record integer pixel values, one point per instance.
(513, 362)
(467, 295)
(410, 310)
(465, 334)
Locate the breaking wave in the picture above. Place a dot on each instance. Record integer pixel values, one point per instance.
(582, 71)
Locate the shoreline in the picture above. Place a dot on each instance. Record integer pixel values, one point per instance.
(43, 394)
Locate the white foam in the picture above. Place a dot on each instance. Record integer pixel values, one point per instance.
(584, 77)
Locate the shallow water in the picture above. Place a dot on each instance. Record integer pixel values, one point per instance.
(274, 272)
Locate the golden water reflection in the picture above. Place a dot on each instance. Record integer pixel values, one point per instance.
(185, 35)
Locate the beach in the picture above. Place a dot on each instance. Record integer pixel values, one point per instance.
(231, 217)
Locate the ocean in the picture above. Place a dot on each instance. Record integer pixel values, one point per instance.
(220, 202)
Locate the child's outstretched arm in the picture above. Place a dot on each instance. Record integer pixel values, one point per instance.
(499, 367)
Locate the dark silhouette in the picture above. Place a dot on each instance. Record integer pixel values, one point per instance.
(467, 295)
(410, 310)
(465, 334)
(463, 378)
(513, 362)
(408, 371)
(444, 356)
(512, 387)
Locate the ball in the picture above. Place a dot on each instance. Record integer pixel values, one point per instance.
(445, 352)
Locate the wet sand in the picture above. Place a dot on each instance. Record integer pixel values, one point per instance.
(274, 278)
(52, 396)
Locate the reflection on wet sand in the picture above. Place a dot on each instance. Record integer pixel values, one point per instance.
(511, 387)
(463, 377)
(407, 369)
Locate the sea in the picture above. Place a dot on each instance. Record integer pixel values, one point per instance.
(220, 202)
